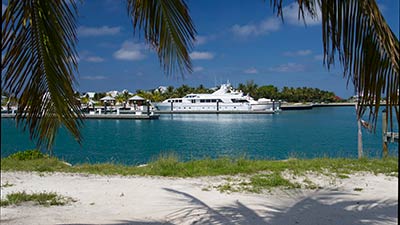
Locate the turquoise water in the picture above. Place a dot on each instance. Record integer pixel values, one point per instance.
(318, 132)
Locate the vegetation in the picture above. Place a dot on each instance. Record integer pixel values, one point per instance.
(28, 155)
(43, 198)
(169, 165)
(289, 94)
(241, 174)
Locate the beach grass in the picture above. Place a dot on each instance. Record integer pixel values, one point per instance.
(169, 165)
(43, 198)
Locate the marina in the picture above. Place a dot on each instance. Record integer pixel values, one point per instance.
(134, 116)
(320, 132)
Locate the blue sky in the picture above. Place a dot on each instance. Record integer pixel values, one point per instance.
(238, 41)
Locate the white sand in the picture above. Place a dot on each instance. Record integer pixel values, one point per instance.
(155, 201)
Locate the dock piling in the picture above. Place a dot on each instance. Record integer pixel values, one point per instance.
(384, 134)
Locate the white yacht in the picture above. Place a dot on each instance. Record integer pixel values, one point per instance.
(224, 99)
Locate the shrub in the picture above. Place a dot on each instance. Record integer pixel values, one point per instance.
(28, 155)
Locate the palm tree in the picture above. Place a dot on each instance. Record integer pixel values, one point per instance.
(355, 33)
(39, 42)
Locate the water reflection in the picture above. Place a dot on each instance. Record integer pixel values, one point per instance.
(221, 118)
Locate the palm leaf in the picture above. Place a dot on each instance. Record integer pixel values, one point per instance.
(355, 33)
(168, 28)
(39, 63)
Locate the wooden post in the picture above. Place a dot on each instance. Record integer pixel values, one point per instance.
(384, 134)
(217, 105)
(172, 106)
(273, 105)
(148, 107)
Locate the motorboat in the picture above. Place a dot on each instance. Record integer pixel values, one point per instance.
(225, 99)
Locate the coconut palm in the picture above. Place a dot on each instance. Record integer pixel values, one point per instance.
(40, 59)
(355, 33)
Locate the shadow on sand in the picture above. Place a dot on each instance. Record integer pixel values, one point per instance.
(322, 207)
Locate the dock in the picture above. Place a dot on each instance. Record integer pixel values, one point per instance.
(215, 112)
(391, 137)
(308, 106)
(107, 116)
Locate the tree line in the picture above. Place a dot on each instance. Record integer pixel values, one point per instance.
(288, 94)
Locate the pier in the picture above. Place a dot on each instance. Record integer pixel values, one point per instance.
(214, 112)
(308, 106)
(387, 137)
(107, 116)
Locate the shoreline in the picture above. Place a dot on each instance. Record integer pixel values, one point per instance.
(156, 114)
(160, 200)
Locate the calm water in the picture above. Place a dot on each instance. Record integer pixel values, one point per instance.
(310, 133)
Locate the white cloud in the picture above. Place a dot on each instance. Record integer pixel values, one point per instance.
(200, 40)
(264, 27)
(291, 16)
(271, 24)
(201, 55)
(288, 67)
(251, 70)
(197, 69)
(94, 59)
(130, 51)
(93, 78)
(298, 53)
(98, 31)
(319, 57)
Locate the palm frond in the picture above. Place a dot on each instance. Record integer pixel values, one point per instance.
(355, 33)
(39, 39)
(167, 27)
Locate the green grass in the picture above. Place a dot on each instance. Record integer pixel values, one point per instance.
(268, 181)
(255, 175)
(170, 165)
(45, 199)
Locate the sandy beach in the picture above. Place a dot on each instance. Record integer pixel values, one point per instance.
(121, 200)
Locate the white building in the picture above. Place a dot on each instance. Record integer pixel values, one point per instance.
(161, 89)
(89, 94)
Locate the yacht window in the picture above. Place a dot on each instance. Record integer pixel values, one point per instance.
(202, 100)
(208, 100)
(193, 101)
(214, 100)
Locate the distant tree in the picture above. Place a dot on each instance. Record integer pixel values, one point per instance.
(269, 91)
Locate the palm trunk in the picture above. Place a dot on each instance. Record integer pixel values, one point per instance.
(359, 143)
(359, 135)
